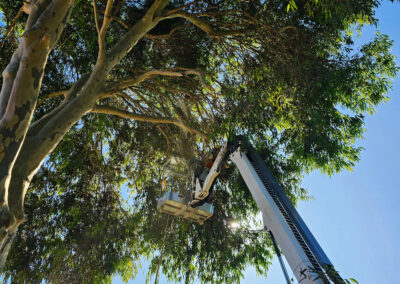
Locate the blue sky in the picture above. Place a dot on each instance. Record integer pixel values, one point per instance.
(355, 216)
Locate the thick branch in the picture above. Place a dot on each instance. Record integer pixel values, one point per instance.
(144, 118)
(175, 72)
(156, 8)
(34, 9)
(69, 96)
(96, 20)
(102, 32)
(203, 25)
(52, 95)
(28, 159)
(138, 31)
(139, 79)
(9, 74)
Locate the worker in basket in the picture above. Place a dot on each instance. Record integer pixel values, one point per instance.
(202, 168)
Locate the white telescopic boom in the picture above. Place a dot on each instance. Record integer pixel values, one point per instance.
(305, 257)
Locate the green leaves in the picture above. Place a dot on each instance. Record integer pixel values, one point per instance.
(288, 79)
(291, 6)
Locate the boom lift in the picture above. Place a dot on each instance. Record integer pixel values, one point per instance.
(287, 229)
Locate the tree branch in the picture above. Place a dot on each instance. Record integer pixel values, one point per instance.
(9, 74)
(203, 25)
(71, 94)
(164, 36)
(113, 16)
(152, 119)
(96, 20)
(138, 31)
(174, 72)
(181, 7)
(102, 33)
(52, 95)
(119, 6)
(11, 27)
(129, 100)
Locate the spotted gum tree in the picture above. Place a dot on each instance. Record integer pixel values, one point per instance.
(116, 83)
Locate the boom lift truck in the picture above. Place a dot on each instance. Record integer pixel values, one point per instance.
(287, 230)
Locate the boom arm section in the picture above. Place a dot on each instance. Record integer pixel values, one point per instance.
(302, 252)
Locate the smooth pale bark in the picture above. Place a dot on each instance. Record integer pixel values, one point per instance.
(9, 74)
(19, 94)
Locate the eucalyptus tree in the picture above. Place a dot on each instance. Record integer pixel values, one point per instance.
(97, 95)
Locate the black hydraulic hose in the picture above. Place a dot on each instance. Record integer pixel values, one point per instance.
(278, 254)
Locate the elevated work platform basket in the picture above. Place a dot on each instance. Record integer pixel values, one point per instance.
(175, 204)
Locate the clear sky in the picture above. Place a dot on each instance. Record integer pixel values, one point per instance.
(356, 215)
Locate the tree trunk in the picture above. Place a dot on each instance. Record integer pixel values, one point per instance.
(5, 248)
(24, 146)
(21, 85)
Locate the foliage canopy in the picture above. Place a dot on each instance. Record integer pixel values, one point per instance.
(283, 73)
